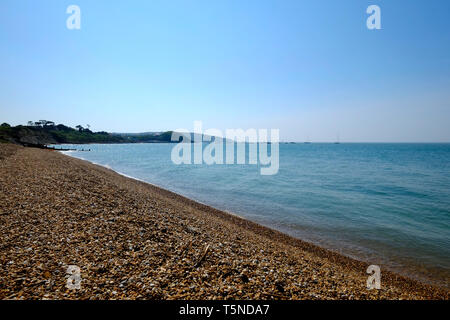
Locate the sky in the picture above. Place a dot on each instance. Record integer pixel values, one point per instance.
(309, 68)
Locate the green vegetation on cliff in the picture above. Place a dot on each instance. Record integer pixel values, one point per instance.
(46, 132)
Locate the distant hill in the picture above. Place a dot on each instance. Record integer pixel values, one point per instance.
(137, 134)
(148, 137)
(43, 133)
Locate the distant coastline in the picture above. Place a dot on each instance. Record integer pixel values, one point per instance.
(39, 134)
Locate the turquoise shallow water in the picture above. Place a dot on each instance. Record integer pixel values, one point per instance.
(387, 204)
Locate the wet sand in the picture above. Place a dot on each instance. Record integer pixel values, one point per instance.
(133, 240)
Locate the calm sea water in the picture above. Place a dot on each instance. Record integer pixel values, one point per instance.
(387, 204)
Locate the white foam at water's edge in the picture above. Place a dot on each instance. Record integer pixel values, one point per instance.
(70, 154)
(118, 172)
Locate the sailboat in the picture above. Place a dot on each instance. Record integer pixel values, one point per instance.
(307, 141)
(337, 140)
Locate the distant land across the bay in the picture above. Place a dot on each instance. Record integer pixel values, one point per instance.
(47, 132)
(43, 132)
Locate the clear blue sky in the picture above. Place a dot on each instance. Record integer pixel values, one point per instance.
(310, 68)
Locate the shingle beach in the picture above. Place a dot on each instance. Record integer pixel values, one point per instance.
(133, 240)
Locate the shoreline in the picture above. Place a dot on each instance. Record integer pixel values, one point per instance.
(396, 273)
(272, 233)
(154, 185)
(397, 286)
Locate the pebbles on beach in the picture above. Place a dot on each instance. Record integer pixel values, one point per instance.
(132, 240)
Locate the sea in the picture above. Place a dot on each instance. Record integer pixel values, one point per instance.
(387, 204)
